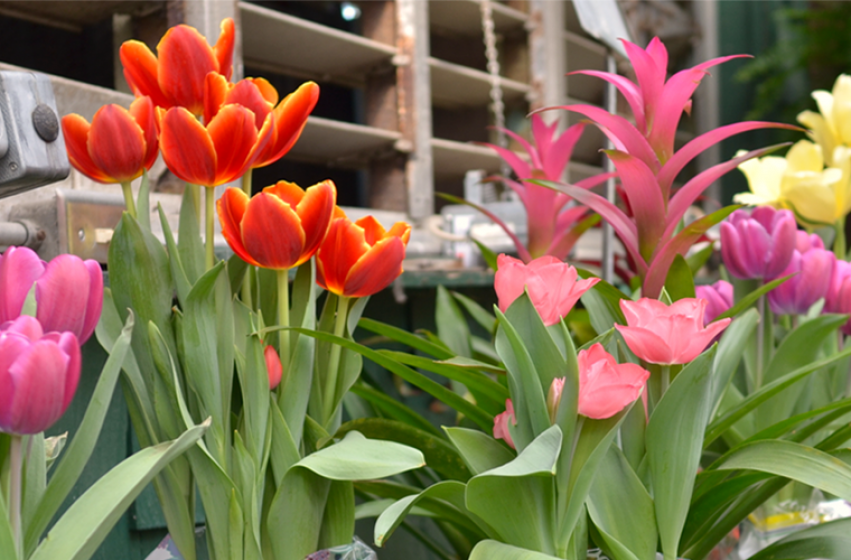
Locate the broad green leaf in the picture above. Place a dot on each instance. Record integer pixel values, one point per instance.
(732, 346)
(80, 531)
(540, 341)
(254, 382)
(479, 314)
(181, 281)
(359, 458)
(634, 528)
(489, 256)
(189, 242)
(338, 525)
(34, 474)
(406, 338)
(480, 451)
(603, 304)
(517, 499)
(829, 541)
(674, 444)
(697, 260)
(393, 408)
(295, 516)
(470, 363)
(78, 452)
(284, 451)
(495, 550)
(439, 454)
(680, 281)
(451, 324)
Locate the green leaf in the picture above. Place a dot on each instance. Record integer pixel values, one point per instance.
(518, 499)
(78, 452)
(470, 363)
(78, 534)
(189, 242)
(438, 453)
(451, 324)
(603, 304)
(393, 408)
(7, 540)
(731, 348)
(338, 525)
(406, 338)
(359, 458)
(295, 516)
(284, 451)
(697, 260)
(748, 300)
(181, 282)
(495, 550)
(674, 445)
(680, 280)
(480, 451)
(143, 202)
(829, 541)
(479, 314)
(487, 254)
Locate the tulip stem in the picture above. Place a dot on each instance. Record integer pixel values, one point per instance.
(839, 243)
(247, 298)
(760, 342)
(128, 198)
(666, 380)
(284, 317)
(208, 216)
(334, 359)
(16, 470)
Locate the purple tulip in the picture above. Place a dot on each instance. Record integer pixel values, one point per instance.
(719, 298)
(38, 375)
(838, 299)
(69, 291)
(814, 266)
(758, 245)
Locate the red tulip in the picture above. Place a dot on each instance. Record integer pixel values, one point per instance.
(552, 285)
(500, 424)
(69, 291)
(605, 386)
(287, 118)
(210, 155)
(361, 258)
(118, 144)
(177, 78)
(662, 334)
(273, 367)
(38, 376)
(279, 228)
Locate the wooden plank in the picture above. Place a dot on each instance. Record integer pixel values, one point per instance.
(453, 85)
(464, 17)
(341, 143)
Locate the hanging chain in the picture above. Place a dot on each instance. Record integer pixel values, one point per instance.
(497, 106)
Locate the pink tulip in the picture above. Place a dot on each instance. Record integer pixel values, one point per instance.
(69, 291)
(552, 285)
(605, 386)
(662, 334)
(759, 244)
(500, 424)
(273, 367)
(838, 299)
(647, 164)
(812, 267)
(38, 375)
(719, 298)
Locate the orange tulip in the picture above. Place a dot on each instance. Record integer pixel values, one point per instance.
(288, 117)
(280, 227)
(213, 155)
(176, 78)
(361, 258)
(118, 144)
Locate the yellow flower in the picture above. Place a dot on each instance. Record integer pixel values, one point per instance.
(764, 177)
(832, 126)
(815, 193)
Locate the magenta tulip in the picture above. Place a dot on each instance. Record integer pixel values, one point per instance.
(69, 291)
(552, 285)
(662, 334)
(838, 299)
(719, 298)
(812, 267)
(759, 244)
(38, 375)
(605, 386)
(500, 424)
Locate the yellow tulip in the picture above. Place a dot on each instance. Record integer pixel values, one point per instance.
(764, 176)
(816, 194)
(832, 125)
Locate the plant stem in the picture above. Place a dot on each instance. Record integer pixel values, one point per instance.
(666, 380)
(247, 299)
(16, 467)
(128, 198)
(334, 359)
(760, 342)
(208, 216)
(839, 242)
(284, 317)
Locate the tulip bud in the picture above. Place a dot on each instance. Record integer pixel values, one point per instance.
(758, 245)
(838, 299)
(273, 367)
(605, 386)
(719, 298)
(554, 397)
(500, 424)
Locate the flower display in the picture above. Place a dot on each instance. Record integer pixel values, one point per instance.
(68, 290)
(812, 267)
(117, 146)
(553, 286)
(358, 259)
(175, 76)
(759, 244)
(605, 386)
(667, 334)
(280, 227)
(38, 376)
(500, 424)
(719, 298)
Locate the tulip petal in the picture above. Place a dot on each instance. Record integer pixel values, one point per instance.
(290, 117)
(272, 233)
(20, 267)
(62, 293)
(11, 346)
(373, 231)
(376, 269)
(223, 49)
(233, 134)
(140, 71)
(187, 148)
(184, 60)
(343, 246)
(290, 193)
(117, 144)
(315, 211)
(231, 209)
(215, 92)
(76, 131)
(646, 345)
(248, 95)
(38, 375)
(142, 111)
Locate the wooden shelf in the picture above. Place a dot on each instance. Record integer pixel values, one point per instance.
(453, 85)
(341, 143)
(464, 17)
(73, 16)
(272, 39)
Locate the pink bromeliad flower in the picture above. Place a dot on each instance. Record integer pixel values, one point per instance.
(647, 164)
(552, 227)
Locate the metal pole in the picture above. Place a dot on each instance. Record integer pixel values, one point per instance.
(608, 261)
